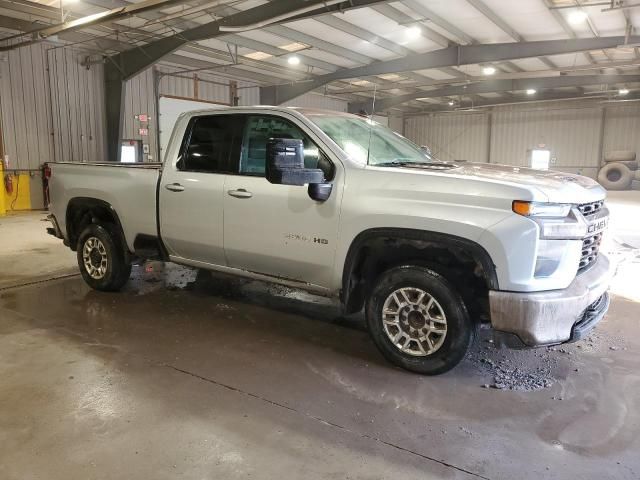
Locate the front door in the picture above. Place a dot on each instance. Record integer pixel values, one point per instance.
(279, 230)
(192, 187)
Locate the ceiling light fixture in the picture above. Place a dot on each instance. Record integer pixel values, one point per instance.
(488, 70)
(294, 60)
(531, 91)
(623, 91)
(577, 17)
(451, 103)
(413, 33)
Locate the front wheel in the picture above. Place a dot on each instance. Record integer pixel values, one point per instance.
(101, 258)
(418, 320)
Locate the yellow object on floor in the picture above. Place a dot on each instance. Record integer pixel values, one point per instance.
(3, 209)
(20, 197)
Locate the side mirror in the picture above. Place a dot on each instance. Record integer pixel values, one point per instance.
(285, 164)
(426, 149)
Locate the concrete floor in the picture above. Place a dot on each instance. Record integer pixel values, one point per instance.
(176, 378)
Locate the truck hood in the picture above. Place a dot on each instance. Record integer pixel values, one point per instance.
(557, 187)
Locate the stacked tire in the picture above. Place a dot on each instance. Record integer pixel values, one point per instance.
(619, 171)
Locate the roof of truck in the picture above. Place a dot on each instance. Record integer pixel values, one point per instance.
(302, 110)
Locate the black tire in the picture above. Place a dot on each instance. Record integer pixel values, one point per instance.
(117, 270)
(460, 330)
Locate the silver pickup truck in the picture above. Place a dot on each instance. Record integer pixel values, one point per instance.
(341, 206)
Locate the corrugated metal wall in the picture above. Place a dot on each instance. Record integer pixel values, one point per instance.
(77, 103)
(140, 98)
(463, 136)
(622, 127)
(52, 109)
(316, 100)
(573, 131)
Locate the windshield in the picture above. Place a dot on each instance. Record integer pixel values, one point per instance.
(357, 135)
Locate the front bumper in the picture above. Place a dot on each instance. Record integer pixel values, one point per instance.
(556, 316)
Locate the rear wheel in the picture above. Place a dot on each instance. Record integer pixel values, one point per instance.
(101, 258)
(418, 320)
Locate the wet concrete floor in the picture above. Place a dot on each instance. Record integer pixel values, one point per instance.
(191, 375)
(226, 379)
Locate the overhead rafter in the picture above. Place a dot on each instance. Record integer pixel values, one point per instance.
(634, 66)
(462, 37)
(135, 60)
(502, 25)
(566, 27)
(485, 103)
(446, 57)
(41, 33)
(494, 86)
(126, 64)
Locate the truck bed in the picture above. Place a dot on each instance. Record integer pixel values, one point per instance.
(129, 188)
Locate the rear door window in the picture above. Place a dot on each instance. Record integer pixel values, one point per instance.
(212, 144)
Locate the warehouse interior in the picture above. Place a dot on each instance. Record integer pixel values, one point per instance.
(188, 373)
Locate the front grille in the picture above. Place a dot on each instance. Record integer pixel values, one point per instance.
(588, 209)
(590, 247)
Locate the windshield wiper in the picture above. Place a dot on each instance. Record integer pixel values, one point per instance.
(434, 164)
(399, 163)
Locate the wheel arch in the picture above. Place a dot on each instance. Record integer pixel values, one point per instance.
(375, 250)
(82, 211)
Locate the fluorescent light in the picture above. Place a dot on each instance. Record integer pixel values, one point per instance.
(294, 60)
(531, 91)
(258, 55)
(413, 33)
(577, 17)
(294, 47)
(623, 91)
(392, 77)
(489, 70)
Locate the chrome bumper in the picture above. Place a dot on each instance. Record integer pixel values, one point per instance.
(555, 316)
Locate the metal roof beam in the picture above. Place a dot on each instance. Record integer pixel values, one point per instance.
(565, 26)
(487, 103)
(502, 25)
(134, 61)
(494, 86)
(126, 64)
(402, 18)
(439, 21)
(446, 57)
(495, 19)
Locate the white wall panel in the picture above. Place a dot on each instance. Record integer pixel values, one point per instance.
(77, 101)
(316, 100)
(462, 136)
(249, 95)
(622, 127)
(52, 109)
(571, 132)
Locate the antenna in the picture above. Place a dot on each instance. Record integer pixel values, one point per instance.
(373, 109)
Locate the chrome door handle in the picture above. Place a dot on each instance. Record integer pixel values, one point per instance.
(174, 187)
(240, 193)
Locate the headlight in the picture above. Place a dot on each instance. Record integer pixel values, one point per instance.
(556, 220)
(545, 210)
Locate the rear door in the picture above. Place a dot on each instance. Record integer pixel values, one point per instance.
(192, 186)
(279, 230)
